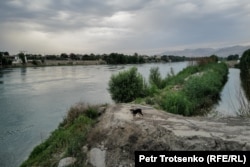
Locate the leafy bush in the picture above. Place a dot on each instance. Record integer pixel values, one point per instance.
(126, 86)
(245, 72)
(155, 78)
(245, 62)
(177, 103)
(151, 90)
(91, 112)
(36, 62)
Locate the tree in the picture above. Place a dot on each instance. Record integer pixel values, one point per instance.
(126, 86)
(22, 57)
(245, 62)
(4, 61)
(6, 53)
(214, 58)
(233, 57)
(64, 56)
(155, 77)
(245, 72)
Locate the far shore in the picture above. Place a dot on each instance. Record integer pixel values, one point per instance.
(59, 63)
(231, 64)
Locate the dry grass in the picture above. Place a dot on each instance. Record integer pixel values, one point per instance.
(244, 110)
(78, 109)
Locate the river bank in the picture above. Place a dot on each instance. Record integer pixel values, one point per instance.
(58, 63)
(117, 134)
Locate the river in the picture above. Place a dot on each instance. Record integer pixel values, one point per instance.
(232, 96)
(34, 100)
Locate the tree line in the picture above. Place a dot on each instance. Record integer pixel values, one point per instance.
(245, 72)
(112, 58)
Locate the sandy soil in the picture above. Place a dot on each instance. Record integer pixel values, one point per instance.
(118, 134)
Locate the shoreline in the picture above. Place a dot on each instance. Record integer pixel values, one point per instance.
(113, 136)
(50, 63)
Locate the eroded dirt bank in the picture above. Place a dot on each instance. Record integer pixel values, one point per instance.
(118, 134)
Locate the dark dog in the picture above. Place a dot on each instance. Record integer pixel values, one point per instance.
(136, 111)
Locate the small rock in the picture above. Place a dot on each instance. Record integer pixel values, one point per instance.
(67, 161)
(97, 157)
(101, 110)
(85, 148)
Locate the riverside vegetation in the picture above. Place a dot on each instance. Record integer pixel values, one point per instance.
(190, 92)
(67, 140)
(245, 82)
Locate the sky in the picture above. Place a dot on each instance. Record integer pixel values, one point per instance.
(105, 26)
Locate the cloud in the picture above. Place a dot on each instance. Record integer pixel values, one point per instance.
(86, 26)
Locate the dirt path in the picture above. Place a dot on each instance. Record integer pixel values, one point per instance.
(118, 134)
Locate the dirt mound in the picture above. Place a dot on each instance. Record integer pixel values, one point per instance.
(118, 134)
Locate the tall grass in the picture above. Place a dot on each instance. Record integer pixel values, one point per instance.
(244, 108)
(192, 91)
(177, 103)
(66, 140)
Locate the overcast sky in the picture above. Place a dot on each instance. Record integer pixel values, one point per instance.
(124, 26)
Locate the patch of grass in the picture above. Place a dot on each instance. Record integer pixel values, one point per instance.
(180, 77)
(177, 103)
(66, 140)
(192, 91)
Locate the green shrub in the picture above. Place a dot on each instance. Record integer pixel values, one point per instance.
(155, 78)
(36, 62)
(177, 103)
(245, 62)
(91, 112)
(126, 86)
(151, 90)
(245, 72)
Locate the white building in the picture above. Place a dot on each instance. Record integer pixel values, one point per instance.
(17, 60)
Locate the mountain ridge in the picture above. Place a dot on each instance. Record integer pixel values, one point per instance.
(200, 52)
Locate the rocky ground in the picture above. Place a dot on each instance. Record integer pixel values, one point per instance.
(118, 134)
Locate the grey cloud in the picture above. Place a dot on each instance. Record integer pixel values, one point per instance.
(141, 24)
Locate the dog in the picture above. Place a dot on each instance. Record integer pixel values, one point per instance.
(136, 111)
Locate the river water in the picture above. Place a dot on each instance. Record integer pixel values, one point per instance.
(33, 101)
(232, 96)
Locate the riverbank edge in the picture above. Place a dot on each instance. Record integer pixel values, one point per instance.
(115, 133)
(67, 138)
(52, 63)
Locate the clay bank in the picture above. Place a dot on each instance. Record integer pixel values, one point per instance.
(118, 134)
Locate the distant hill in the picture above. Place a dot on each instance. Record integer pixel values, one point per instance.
(199, 52)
